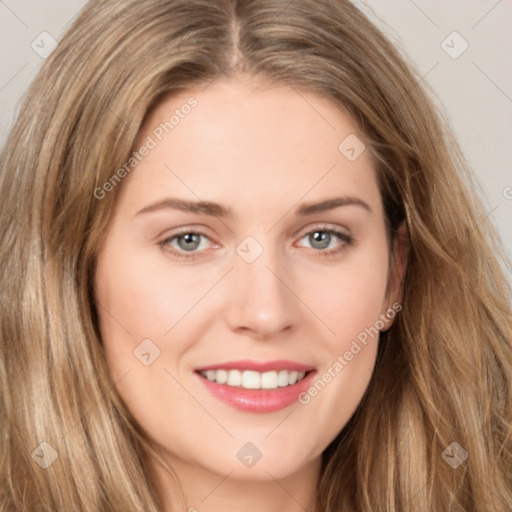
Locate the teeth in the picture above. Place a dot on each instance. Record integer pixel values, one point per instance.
(221, 376)
(234, 378)
(269, 380)
(249, 379)
(292, 378)
(282, 378)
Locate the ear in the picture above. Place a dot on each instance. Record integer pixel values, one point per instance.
(397, 269)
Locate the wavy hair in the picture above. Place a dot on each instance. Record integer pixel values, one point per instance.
(444, 369)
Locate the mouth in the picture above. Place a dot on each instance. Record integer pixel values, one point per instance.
(250, 379)
(256, 387)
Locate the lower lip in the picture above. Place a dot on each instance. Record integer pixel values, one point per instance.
(258, 400)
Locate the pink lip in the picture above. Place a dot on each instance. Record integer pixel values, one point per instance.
(258, 366)
(258, 400)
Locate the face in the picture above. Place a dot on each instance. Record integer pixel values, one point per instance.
(244, 278)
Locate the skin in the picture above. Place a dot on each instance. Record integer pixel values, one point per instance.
(261, 150)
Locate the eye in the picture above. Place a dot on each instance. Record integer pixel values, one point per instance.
(187, 241)
(327, 241)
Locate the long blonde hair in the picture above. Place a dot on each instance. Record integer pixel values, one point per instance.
(444, 370)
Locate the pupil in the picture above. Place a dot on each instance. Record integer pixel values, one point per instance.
(191, 241)
(320, 239)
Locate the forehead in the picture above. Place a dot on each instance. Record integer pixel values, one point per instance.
(243, 142)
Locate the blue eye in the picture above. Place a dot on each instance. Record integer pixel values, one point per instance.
(190, 243)
(185, 242)
(327, 241)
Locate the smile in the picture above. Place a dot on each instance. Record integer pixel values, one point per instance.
(250, 379)
(258, 387)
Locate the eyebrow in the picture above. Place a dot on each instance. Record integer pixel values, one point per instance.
(218, 210)
(330, 204)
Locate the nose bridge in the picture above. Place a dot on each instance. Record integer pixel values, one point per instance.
(258, 300)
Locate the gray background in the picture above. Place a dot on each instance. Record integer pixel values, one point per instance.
(474, 90)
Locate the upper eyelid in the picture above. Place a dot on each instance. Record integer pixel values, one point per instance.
(319, 226)
(322, 226)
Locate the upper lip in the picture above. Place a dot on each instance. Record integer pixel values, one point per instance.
(258, 366)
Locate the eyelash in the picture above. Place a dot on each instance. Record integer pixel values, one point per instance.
(346, 240)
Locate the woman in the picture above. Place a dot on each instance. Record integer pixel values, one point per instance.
(243, 269)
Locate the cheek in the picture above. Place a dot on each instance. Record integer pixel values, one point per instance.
(144, 297)
(137, 307)
(349, 301)
(350, 298)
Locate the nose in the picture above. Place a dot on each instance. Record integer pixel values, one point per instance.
(260, 300)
